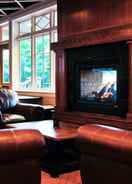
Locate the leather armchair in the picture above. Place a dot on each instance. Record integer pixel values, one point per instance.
(106, 154)
(20, 152)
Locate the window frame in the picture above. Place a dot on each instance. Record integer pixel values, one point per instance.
(33, 36)
(4, 44)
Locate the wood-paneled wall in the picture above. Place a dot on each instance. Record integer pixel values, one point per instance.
(47, 98)
(84, 23)
(78, 16)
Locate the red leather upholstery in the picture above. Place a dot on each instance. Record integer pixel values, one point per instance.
(106, 154)
(20, 152)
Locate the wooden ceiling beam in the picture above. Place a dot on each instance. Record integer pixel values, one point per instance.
(24, 1)
(21, 1)
(2, 12)
(10, 8)
(19, 4)
(1, 2)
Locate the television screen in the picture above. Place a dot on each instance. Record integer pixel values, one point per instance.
(99, 85)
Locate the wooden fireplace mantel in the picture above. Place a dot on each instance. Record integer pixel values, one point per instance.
(98, 36)
(89, 23)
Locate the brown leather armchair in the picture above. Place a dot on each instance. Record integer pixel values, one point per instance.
(20, 152)
(106, 154)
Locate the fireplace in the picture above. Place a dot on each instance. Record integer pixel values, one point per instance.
(93, 53)
(98, 78)
(97, 84)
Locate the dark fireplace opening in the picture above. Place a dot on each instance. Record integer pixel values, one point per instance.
(98, 78)
(98, 84)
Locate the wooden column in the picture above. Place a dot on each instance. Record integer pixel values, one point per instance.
(129, 114)
(61, 80)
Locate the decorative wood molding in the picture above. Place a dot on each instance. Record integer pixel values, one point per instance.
(84, 117)
(99, 36)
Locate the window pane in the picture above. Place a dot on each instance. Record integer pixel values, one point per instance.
(25, 63)
(54, 36)
(5, 33)
(55, 18)
(25, 27)
(5, 59)
(42, 22)
(43, 63)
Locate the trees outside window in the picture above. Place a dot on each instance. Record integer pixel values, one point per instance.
(35, 57)
(25, 63)
(6, 66)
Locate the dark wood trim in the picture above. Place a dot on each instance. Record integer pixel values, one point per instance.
(80, 26)
(104, 35)
(81, 118)
(61, 81)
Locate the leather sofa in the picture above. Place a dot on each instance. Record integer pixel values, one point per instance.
(12, 111)
(106, 154)
(26, 112)
(20, 153)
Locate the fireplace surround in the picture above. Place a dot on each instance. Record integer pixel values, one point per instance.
(87, 26)
(98, 78)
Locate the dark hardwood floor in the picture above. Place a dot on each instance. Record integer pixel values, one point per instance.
(68, 178)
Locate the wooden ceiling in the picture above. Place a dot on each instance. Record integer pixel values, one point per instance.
(8, 7)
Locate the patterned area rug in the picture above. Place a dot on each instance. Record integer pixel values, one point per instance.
(68, 178)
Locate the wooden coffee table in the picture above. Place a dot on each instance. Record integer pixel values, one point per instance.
(60, 142)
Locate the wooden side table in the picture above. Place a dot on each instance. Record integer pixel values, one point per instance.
(62, 155)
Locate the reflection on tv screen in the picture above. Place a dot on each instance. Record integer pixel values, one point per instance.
(99, 84)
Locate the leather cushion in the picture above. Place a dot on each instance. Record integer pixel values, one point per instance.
(108, 142)
(13, 118)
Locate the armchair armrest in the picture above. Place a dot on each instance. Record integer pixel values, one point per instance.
(31, 112)
(20, 144)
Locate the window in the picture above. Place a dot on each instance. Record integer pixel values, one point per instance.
(25, 27)
(25, 63)
(42, 58)
(6, 67)
(4, 54)
(36, 61)
(42, 22)
(5, 33)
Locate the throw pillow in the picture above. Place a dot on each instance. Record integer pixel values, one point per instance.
(8, 99)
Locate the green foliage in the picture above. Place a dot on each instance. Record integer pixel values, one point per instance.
(42, 59)
(25, 60)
